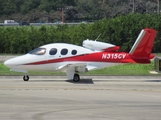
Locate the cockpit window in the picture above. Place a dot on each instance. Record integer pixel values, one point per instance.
(38, 51)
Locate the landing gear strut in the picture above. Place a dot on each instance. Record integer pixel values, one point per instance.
(26, 78)
(76, 78)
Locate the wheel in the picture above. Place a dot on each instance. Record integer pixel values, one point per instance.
(76, 78)
(26, 78)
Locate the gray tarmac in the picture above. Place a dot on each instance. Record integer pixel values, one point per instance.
(93, 98)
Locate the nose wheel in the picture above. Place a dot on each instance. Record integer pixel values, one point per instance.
(76, 78)
(26, 78)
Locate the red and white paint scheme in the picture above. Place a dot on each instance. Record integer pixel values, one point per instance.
(73, 59)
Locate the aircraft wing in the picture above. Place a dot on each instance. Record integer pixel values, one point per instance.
(71, 69)
(80, 67)
(76, 67)
(91, 67)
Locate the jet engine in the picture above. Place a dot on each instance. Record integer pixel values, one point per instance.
(99, 46)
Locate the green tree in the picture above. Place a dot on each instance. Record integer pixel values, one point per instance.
(9, 7)
(45, 6)
(29, 5)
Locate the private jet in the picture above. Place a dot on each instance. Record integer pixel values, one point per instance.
(74, 59)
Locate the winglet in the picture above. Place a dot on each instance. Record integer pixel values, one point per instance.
(142, 47)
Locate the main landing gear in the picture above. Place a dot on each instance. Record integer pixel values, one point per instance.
(26, 78)
(76, 77)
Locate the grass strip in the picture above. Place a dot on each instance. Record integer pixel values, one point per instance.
(122, 69)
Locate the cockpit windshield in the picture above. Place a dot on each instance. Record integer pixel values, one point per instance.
(38, 51)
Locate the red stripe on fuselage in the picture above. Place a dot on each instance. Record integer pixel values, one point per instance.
(94, 57)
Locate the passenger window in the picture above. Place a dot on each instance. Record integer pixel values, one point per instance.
(64, 51)
(38, 51)
(53, 51)
(74, 52)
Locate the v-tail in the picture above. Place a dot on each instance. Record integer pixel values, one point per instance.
(142, 48)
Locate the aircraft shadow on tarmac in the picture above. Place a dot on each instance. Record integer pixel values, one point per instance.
(153, 81)
(82, 81)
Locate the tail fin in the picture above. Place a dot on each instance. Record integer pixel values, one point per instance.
(141, 50)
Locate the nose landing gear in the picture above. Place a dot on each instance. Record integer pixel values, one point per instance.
(26, 78)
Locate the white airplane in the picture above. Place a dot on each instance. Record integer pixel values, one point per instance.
(73, 59)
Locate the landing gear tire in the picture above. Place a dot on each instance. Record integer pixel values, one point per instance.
(26, 78)
(76, 78)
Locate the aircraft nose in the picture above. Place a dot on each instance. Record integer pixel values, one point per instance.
(8, 63)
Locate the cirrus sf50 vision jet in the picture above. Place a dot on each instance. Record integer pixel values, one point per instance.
(74, 59)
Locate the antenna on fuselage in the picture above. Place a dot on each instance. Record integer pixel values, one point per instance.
(98, 37)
